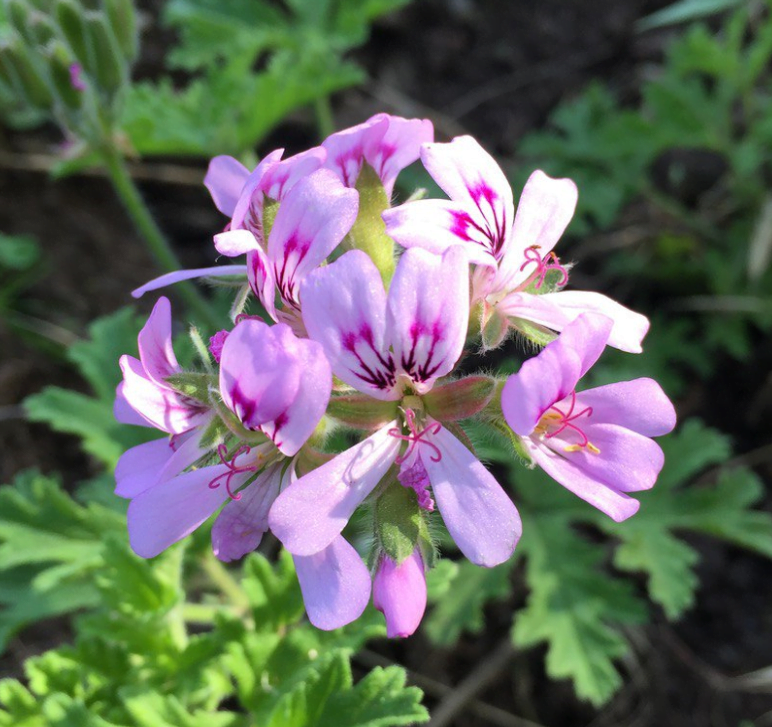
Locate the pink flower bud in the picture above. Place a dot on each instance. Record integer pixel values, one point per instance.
(399, 592)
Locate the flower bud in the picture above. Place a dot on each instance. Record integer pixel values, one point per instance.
(399, 592)
(460, 399)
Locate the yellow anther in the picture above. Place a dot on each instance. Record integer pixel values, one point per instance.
(590, 447)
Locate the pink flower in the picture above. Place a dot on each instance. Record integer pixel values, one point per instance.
(394, 348)
(596, 443)
(513, 252)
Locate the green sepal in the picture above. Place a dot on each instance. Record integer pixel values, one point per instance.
(232, 423)
(270, 209)
(194, 385)
(399, 524)
(514, 440)
(109, 65)
(18, 15)
(550, 284)
(369, 231)
(123, 22)
(359, 411)
(72, 25)
(214, 435)
(18, 64)
(459, 399)
(535, 333)
(495, 330)
(42, 30)
(59, 67)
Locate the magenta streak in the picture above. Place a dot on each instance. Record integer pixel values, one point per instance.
(542, 268)
(483, 191)
(286, 282)
(425, 370)
(415, 438)
(567, 419)
(233, 468)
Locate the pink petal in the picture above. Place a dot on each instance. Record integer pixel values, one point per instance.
(123, 411)
(614, 503)
(545, 208)
(281, 177)
(241, 524)
(638, 405)
(262, 280)
(248, 213)
(347, 149)
(399, 592)
(477, 512)
(344, 308)
(314, 217)
(399, 147)
(309, 514)
(138, 468)
(180, 275)
(428, 313)
(225, 179)
(233, 243)
(436, 225)
(335, 584)
(155, 344)
(172, 510)
(471, 178)
(260, 371)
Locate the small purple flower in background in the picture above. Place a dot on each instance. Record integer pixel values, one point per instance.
(76, 78)
(513, 252)
(596, 442)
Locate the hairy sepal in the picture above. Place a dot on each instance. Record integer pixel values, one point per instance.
(194, 385)
(460, 399)
(399, 523)
(535, 333)
(359, 411)
(494, 330)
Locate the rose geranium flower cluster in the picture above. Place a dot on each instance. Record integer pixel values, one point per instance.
(362, 312)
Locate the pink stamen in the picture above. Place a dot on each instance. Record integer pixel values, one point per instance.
(75, 78)
(567, 419)
(417, 479)
(415, 437)
(543, 266)
(233, 469)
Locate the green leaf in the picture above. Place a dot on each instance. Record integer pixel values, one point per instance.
(685, 11)
(18, 252)
(273, 591)
(151, 709)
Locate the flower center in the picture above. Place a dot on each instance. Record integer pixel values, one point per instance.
(554, 422)
(417, 478)
(417, 437)
(543, 266)
(233, 468)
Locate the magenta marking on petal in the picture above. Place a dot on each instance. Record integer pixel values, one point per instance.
(496, 235)
(381, 378)
(233, 469)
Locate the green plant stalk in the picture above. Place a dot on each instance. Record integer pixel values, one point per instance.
(155, 239)
(227, 584)
(325, 124)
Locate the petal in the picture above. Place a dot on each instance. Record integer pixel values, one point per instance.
(587, 336)
(629, 327)
(347, 149)
(428, 313)
(314, 217)
(335, 584)
(399, 147)
(471, 177)
(281, 177)
(123, 411)
(437, 224)
(160, 406)
(627, 461)
(309, 514)
(477, 512)
(262, 280)
(180, 275)
(138, 468)
(155, 344)
(240, 526)
(545, 208)
(259, 371)
(233, 243)
(248, 213)
(640, 405)
(225, 179)
(171, 510)
(615, 504)
(399, 592)
(344, 308)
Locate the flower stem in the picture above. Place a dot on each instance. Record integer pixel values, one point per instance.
(221, 577)
(325, 123)
(156, 240)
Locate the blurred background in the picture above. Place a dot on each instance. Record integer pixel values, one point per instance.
(661, 113)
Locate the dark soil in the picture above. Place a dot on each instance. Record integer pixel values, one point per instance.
(495, 70)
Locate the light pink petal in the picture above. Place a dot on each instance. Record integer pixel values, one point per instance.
(309, 514)
(123, 411)
(281, 177)
(170, 511)
(552, 375)
(233, 243)
(344, 308)
(180, 275)
(639, 405)
(260, 371)
(335, 584)
(241, 524)
(399, 592)
(399, 147)
(155, 344)
(347, 149)
(428, 313)
(161, 407)
(627, 461)
(225, 179)
(314, 217)
(477, 512)
(471, 178)
(615, 504)
(262, 280)
(629, 327)
(545, 208)
(248, 213)
(437, 224)
(139, 467)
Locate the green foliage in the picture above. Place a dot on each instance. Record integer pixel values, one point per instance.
(91, 416)
(684, 11)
